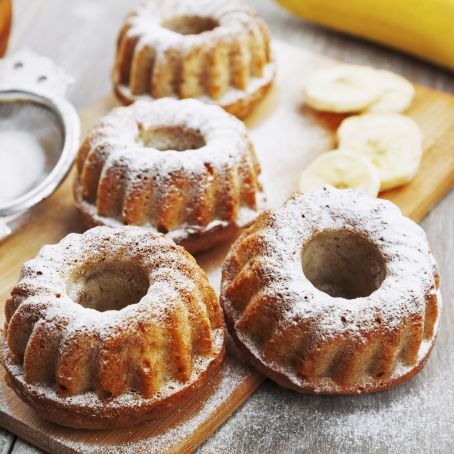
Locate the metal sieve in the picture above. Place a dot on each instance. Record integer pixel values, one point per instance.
(33, 106)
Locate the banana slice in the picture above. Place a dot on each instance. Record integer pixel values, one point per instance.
(342, 169)
(392, 142)
(397, 93)
(354, 88)
(345, 88)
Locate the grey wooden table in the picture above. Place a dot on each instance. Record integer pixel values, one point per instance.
(415, 417)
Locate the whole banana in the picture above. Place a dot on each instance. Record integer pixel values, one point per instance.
(424, 28)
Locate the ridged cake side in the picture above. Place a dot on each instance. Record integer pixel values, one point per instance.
(308, 340)
(122, 180)
(140, 355)
(213, 50)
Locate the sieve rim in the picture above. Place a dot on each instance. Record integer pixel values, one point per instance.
(70, 122)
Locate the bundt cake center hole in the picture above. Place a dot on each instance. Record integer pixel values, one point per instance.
(190, 25)
(343, 264)
(171, 138)
(107, 286)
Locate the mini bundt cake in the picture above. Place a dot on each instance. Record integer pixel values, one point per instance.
(214, 50)
(105, 328)
(333, 293)
(179, 167)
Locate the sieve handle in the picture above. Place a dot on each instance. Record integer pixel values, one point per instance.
(28, 70)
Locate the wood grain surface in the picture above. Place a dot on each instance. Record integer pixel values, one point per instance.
(274, 419)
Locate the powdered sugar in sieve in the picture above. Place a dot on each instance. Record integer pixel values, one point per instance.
(39, 133)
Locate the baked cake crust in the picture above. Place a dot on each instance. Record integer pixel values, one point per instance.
(199, 192)
(216, 51)
(305, 334)
(81, 358)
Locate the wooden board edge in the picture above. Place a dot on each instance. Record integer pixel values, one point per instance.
(33, 435)
(216, 419)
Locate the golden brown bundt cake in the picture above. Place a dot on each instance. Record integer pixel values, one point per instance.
(179, 167)
(105, 328)
(333, 293)
(214, 50)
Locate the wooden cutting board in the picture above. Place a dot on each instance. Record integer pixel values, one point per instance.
(287, 136)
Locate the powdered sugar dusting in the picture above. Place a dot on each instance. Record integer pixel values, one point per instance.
(21, 155)
(44, 292)
(226, 147)
(411, 418)
(146, 21)
(231, 96)
(92, 401)
(281, 236)
(145, 438)
(236, 25)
